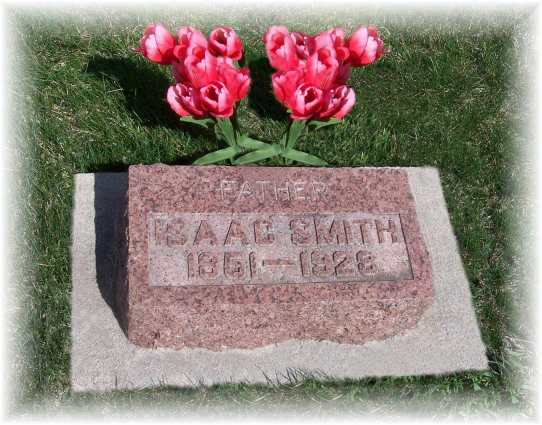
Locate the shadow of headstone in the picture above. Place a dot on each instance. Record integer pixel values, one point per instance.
(110, 204)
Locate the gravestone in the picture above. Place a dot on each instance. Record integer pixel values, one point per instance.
(225, 257)
(186, 275)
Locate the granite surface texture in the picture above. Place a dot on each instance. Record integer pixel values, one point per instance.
(446, 338)
(242, 257)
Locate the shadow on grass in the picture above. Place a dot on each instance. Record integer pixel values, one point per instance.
(118, 167)
(144, 88)
(260, 97)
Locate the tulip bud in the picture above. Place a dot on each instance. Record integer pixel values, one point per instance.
(200, 68)
(332, 39)
(281, 49)
(236, 80)
(322, 68)
(307, 101)
(303, 43)
(338, 102)
(365, 46)
(217, 100)
(224, 41)
(185, 100)
(189, 38)
(285, 85)
(157, 44)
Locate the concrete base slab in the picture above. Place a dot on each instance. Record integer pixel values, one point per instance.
(446, 339)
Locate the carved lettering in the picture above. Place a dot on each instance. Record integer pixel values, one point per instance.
(261, 248)
(284, 192)
(205, 233)
(207, 265)
(319, 189)
(270, 191)
(383, 230)
(344, 265)
(263, 232)
(322, 265)
(227, 187)
(299, 190)
(302, 231)
(364, 229)
(246, 190)
(265, 187)
(333, 233)
(174, 230)
(234, 266)
(366, 262)
(160, 231)
(236, 233)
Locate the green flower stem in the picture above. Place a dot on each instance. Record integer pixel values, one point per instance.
(295, 131)
(235, 124)
(243, 149)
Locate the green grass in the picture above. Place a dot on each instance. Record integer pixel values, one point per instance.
(445, 96)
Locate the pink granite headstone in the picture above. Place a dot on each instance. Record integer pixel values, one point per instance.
(241, 257)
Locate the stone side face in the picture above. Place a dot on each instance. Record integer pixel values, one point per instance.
(241, 257)
(120, 287)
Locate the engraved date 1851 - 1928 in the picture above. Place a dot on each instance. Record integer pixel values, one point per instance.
(318, 263)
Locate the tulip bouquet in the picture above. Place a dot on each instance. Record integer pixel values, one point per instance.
(310, 80)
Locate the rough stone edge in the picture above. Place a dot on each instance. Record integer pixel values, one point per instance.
(446, 339)
(443, 250)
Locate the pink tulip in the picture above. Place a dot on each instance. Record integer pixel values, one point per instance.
(178, 70)
(338, 102)
(338, 37)
(157, 44)
(200, 68)
(365, 46)
(217, 100)
(285, 84)
(333, 39)
(322, 68)
(343, 74)
(224, 59)
(188, 39)
(281, 49)
(306, 102)
(185, 100)
(236, 80)
(205, 65)
(304, 44)
(224, 41)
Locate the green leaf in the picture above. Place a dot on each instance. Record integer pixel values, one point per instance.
(249, 143)
(216, 156)
(203, 122)
(296, 129)
(303, 157)
(284, 139)
(219, 135)
(318, 124)
(226, 128)
(258, 155)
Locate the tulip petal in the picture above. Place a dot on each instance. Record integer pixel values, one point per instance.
(348, 104)
(173, 101)
(369, 54)
(164, 39)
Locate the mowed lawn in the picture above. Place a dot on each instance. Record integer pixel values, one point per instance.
(445, 96)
